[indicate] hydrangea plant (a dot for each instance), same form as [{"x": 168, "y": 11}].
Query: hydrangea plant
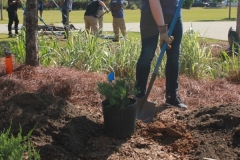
[{"x": 118, "y": 92}]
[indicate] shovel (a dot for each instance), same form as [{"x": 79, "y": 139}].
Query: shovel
[
  {"x": 145, "y": 109},
  {"x": 102, "y": 15}
]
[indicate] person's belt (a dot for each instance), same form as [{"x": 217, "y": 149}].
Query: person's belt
[{"x": 92, "y": 16}]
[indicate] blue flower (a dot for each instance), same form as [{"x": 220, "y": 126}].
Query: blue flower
[{"x": 111, "y": 77}]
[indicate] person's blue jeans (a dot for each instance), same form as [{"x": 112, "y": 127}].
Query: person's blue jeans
[
  {"x": 149, "y": 46},
  {"x": 64, "y": 19},
  {"x": 64, "y": 16}
]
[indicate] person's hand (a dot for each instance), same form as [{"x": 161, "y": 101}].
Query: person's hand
[
  {"x": 40, "y": 18},
  {"x": 163, "y": 30},
  {"x": 107, "y": 10},
  {"x": 167, "y": 39}
]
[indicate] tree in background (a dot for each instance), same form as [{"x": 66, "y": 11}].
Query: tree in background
[
  {"x": 1, "y": 9},
  {"x": 238, "y": 19}
]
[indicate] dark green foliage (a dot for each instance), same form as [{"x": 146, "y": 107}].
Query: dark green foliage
[
  {"x": 217, "y": 0},
  {"x": 75, "y": 6},
  {"x": 187, "y": 4},
  {"x": 13, "y": 148},
  {"x": 117, "y": 92},
  {"x": 132, "y": 5}
]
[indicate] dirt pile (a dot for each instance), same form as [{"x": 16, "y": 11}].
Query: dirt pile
[{"x": 216, "y": 131}]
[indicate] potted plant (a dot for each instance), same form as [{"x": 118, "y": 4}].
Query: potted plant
[{"x": 119, "y": 107}]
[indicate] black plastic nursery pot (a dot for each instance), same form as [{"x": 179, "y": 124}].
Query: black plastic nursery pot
[{"x": 119, "y": 122}]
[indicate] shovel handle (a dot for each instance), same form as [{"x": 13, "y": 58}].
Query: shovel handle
[
  {"x": 101, "y": 15},
  {"x": 150, "y": 85}
]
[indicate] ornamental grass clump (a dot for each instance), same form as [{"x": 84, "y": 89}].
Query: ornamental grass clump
[
  {"x": 118, "y": 92},
  {"x": 196, "y": 59}
]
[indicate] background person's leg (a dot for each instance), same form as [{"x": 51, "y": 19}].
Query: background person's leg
[
  {"x": 40, "y": 8},
  {"x": 115, "y": 29},
  {"x": 100, "y": 20},
  {"x": 122, "y": 26},
  {"x": 10, "y": 22},
  {"x": 64, "y": 20},
  {"x": 41, "y": 11},
  {"x": 16, "y": 22},
  {"x": 94, "y": 24},
  {"x": 87, "y": 23}
]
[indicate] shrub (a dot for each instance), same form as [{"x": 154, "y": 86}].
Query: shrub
[
  {"x": 118, "y": 92},
  {"x": 15, "y": 147},
  {"x": 187, "y": 4},
  {"x": 133, "y": 6},
  {"x": 75, "y": 6}
]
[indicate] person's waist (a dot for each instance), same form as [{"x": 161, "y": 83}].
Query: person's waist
[
  {"x": 12, "y": 9},
  {"x": 91, "y": 15}
]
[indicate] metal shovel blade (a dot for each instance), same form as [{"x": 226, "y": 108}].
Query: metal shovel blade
[{"x": 145, "y": 110}]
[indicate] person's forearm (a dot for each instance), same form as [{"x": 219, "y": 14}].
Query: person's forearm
[
  {"x": 157, "y": 12},
  {"x": 103, "y": 5}
]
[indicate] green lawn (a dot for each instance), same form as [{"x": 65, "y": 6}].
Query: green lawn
[
  {"x": 211, "y": 14},
  {"x": 191, "y": 15}
]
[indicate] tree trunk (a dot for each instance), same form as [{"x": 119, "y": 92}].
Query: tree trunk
[
  {"x": 238, "y": 19},
  {"x": 1, "y": 9},
  {"x": 229, "y": 11},
  {"x": 67, "y": 22},
  {"x": 32, "y": 33}
]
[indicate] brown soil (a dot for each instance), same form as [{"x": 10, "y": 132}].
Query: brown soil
[{"x": 66, "y": 107}]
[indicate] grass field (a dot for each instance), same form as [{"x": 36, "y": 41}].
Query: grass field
[{"x": 191, "y": 15}]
